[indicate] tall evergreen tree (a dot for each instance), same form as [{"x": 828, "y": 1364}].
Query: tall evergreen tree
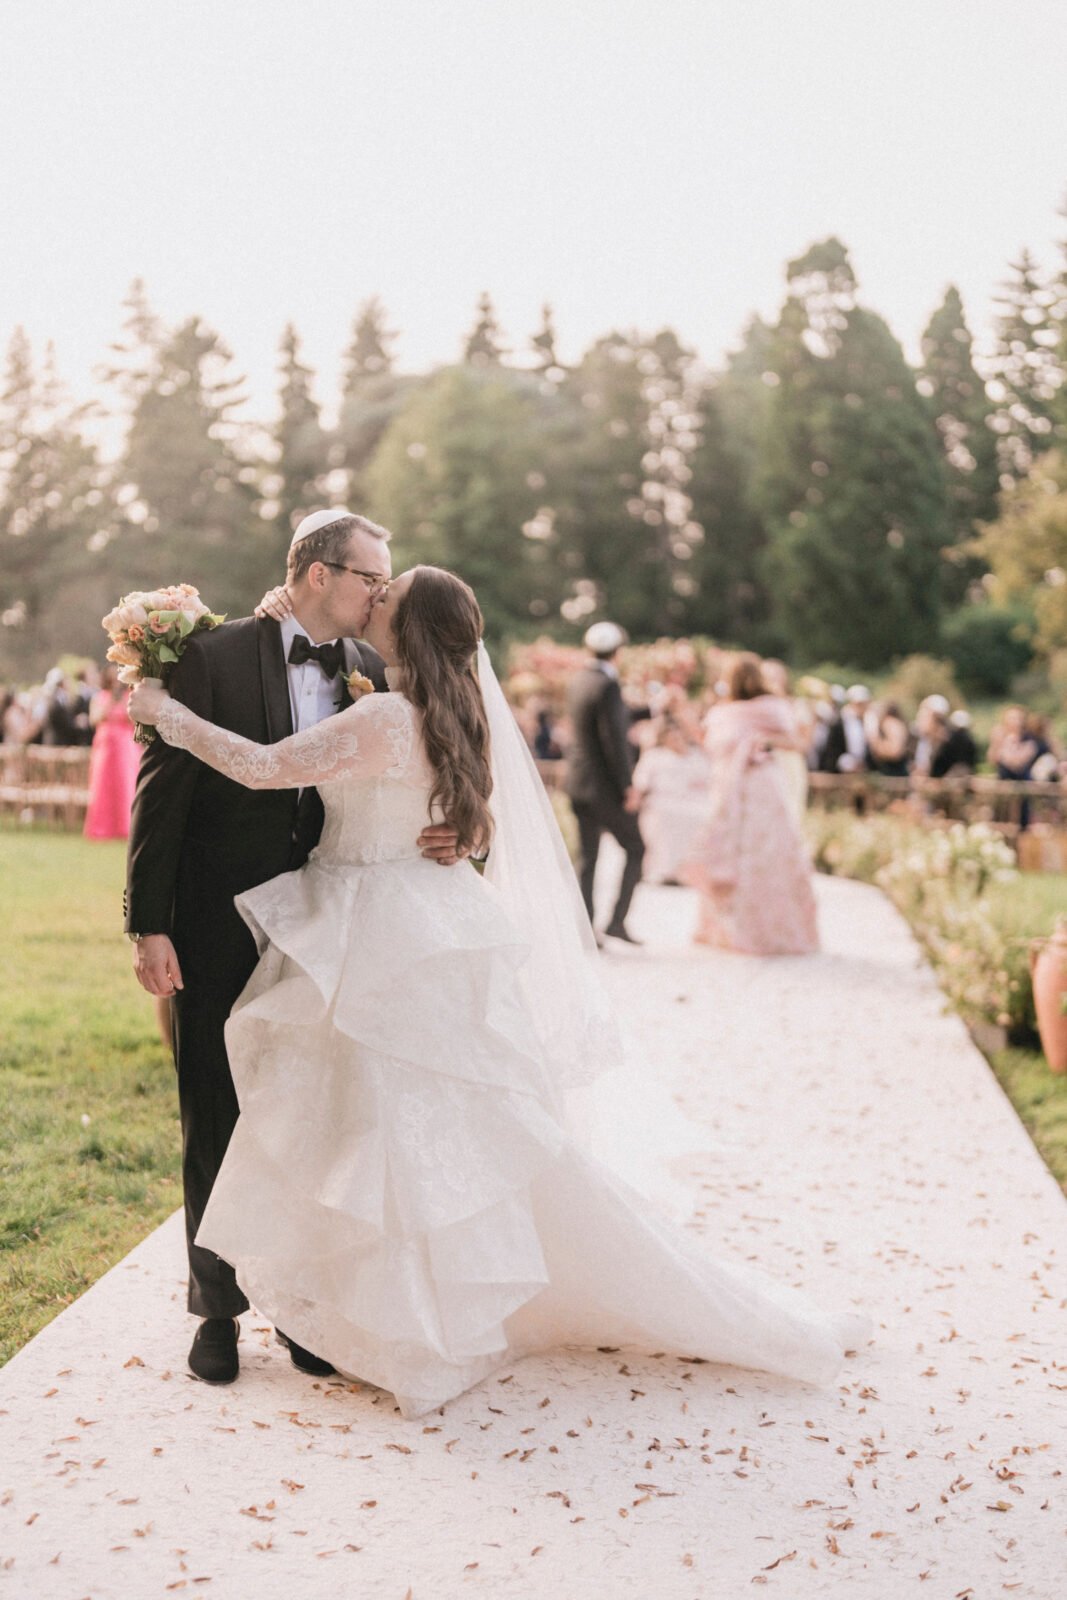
[
  {"x": 53, "y": 520},
  {"x": 132, "y": 358},
  {"x": 731, "y": 604},
  {"x": 483, "y": 346},
  {"x": 372, "y": 395},
  {"x": 369, "y": 353},
  {"x": 543, "y": 344},
  {"x": 963, "y": 415},
  {"x": 615, "y": 546},
  {"x": 854, "y": 488},
  {"x": 456, "y": 480},
  {"x": 189, "y": 492},
  {"x": 302, "y": 445},
  {"x": 1029, "y": 365}
]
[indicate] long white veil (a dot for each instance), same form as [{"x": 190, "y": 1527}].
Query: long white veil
[{"x": 529, "y": 867}]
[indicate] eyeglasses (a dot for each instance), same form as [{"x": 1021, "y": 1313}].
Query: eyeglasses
[{"x": 374, "y": 580}]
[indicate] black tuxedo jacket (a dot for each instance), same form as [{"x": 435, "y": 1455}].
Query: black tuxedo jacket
[
  {"x": 600, "y": 758},
  {"x": 197, "y": 838}
]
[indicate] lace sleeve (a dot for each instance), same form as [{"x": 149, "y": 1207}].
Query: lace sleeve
[{"x": 370, "y": 738}]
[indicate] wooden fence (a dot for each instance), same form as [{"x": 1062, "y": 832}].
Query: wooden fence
[
  {"x": 51, "y": 786},
  {"x": 44, "y": 784},
  {"x": 965, "y": 799}
]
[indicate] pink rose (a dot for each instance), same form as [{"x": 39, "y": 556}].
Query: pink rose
[
  {"x": 135, "y": 633},
  {"x": 157, "y": 625}
]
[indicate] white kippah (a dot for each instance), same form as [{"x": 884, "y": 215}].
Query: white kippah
[
  {"x": 603, "y": 638},
  {"x": 317, "y": 520}
]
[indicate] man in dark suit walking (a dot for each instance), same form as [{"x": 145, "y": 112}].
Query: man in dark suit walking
[
  {"x": 197, "y": 839},
  {"x": 599, "y": 768}
]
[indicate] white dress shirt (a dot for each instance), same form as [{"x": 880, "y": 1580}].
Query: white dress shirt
[{"x": 312, "y": 695}]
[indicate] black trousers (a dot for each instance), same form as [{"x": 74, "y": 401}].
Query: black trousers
[
  {"x": 595, "y": 819},
  {"x": 217, "y": 958}
]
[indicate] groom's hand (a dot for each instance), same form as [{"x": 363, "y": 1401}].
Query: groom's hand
[
  {"x": 155, "y": 965},
  {"x": 439, "y": 844}
]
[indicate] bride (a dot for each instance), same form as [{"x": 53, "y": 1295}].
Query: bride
[{"x": 406, "y": 1191}]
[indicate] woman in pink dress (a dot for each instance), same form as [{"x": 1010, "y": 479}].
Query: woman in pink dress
[
  {"x": 750, "y": 864},
  {"x": 113, "y": 763}
]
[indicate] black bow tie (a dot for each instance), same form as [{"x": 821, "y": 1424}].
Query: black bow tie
[{"x": 330, "y": 657}]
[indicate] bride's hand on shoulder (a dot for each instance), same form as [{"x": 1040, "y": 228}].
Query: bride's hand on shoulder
[
  {"x": 145, "y": 703},
  {"x": 276, "y": 603}
]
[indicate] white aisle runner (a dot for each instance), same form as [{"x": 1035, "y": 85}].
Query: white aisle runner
[{"x": 818, "y": 1115}]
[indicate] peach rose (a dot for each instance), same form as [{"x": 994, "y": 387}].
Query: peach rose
[
  {"x": 358, "y": 685},
  {"x": 125, "y": 655}
]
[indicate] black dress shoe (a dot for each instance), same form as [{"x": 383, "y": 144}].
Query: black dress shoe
[
  {"x": 617, "y": 930},
  {"x": 213, "y": 1355},
  {"x": 304, "y": 1359}
]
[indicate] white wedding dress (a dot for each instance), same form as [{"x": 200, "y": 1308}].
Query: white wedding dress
[{"x": 402, "y": 1194}]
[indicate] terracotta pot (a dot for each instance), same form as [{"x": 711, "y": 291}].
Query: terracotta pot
[{"x": 1048, "y": 968}]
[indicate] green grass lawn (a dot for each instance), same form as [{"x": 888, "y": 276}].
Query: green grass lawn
[
  {"x": 77, "y": 1039},
  {"x": 1030, "y": 904}
]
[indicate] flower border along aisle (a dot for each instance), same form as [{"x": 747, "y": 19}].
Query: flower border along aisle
[
  {"x": 149, "y": 629},
  {"x": 939, "y": 879}
]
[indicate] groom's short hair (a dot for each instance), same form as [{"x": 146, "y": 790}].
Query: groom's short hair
[{"x": 329, "y": 544}]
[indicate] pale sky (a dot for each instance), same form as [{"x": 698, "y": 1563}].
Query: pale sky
[{"x": 636, "y": 164}]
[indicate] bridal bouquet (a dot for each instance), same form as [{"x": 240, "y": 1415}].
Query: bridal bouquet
[{"x": 149, "y": 630}]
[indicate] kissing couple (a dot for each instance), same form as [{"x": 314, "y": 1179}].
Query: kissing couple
[{"x": 378, "y": 1046}]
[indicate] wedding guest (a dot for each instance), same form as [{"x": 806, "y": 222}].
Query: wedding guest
[
  {"x": 15, "y": 720},
  {"x": 888, "y": 741},
  {"x": 959, "y": 753},
  {"x": 113, "y": 763},
  {"x": 57, "y": 711},
  {"x": 1045, "y": 768},
  {"x": 1015, "y": 747},
  {"x": 672, "y": 779},
  {"x": 545, "y": 744},
  {"x": 15, "y": 728},
  {"x": 750, "y": 865},
  {"x": 599, "y": 772},
  {"x": 87, "y": 682},
  {"x": 942, "y": 749},
  {"x": 792, "y": 764},
  {"x": 829, "y": 744},
  {"x": 854, "y": 729}
]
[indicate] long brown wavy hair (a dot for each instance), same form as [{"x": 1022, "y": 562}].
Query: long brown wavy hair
[{"x": 437, "y": 624}]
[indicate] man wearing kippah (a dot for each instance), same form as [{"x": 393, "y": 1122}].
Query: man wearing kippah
[
  {"x": 197, "y": 839},
  {"x": 599, "y": 768}
]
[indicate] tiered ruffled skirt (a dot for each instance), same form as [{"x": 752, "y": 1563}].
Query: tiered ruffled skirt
[{"x": 399, "y": 1194}]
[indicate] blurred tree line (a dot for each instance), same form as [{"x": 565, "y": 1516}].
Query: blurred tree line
[{"x": 818, "y": 498}]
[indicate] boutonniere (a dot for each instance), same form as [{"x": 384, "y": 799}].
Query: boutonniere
[{"x": 358, "y": 685}]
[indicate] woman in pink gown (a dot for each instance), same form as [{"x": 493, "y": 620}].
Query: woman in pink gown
[
  {"x": 750, "y": 864},
  {"x": 113, "y": 763}
]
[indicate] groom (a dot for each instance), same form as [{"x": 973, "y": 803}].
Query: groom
[{"x": 197, "y": 839}]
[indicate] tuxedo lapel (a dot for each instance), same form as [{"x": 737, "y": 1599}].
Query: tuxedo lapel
[
  {"x": 360, "y": 657},
  {"x": 274, "y": 680},
  {"x": 344, "y": 699}
]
